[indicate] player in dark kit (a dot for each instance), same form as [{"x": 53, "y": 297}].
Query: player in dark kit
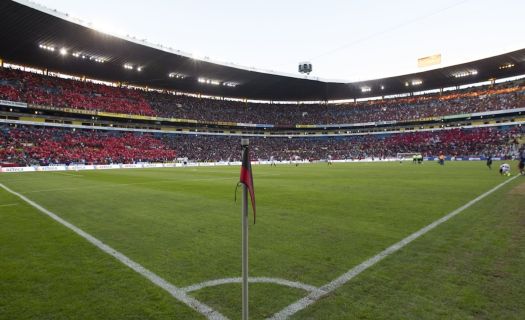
[
  {"x": 441, "y": 158},
  {"x": 521, "y": 165},
  {"x": 489, "y": 162},
  {"x": 419, "y": 158}
]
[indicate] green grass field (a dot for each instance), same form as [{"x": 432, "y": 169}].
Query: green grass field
[{"x": 314, "y": 223}]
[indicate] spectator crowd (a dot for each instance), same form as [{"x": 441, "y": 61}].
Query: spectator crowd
[
  {"x": 32, "y": 145},
  {"x": 33, "y": 88},
  {"x": 27, "y": 145}
]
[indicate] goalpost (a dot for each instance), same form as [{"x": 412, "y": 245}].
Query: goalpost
[{"x": 407, "y": 155}]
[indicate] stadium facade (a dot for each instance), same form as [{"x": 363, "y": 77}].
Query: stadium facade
[{"x": 26, "y": 28}]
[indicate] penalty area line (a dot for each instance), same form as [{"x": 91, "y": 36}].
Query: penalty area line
[
  {"x": 174, "y": 291},
  {"x": 350, "y": 274}
]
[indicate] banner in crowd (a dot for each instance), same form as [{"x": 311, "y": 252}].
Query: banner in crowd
[
  {"x": 127, "y": 116},
  {"x": 15, "y": 104},
  {"x": 80, "y": 167},
  {"x": 488, "y": 113},
  {"x": 458, "y": 116},
  {"x": 69, "y": 110}
]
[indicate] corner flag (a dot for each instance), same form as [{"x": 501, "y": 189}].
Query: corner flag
[
  {"x": 246, "y": 176},
  {"x": 246, "y": 180}
]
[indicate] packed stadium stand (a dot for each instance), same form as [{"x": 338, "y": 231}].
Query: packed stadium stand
[
  {"x": 387, "y": 110},
  {"x": 29, "y": 145},
  {"x": 70, "y": 94},
  {"x": 52, "y": 91},
  {"x": 25, "y": 145},
  {"x": 44, "y": 90}
]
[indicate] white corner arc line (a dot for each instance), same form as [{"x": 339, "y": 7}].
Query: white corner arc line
[
  {"x": 218, "y": 282},
  {"x": 174, "y": 291},
  {"x": 344, "y": 278}
]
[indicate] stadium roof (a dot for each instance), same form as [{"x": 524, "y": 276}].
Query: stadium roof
[{"x": 34, "y": 36}]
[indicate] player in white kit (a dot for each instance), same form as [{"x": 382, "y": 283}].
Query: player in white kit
[
  {"x": 504, "y": 169},
  {"x": 272, "y": 162}
]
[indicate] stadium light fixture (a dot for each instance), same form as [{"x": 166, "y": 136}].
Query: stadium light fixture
[
  {"x": 366, "y": 89},
  {"x": 382, "y": 87},
  {"x": 506, "y": 66},
  {"x": 417, "y": 82},
  {"x": 63, "y": 51},
  {"x": 176, "y": 75},
  {"x": 230, "y": 84},
  {"x": 45, "y": 47},
  {"x": 128, "y": 66},
  {"x": 139, "y": 69},
  {"x": 209, "y": 81},
  {"x": 467, "y": 73}
]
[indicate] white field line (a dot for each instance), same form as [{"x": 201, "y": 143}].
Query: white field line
[
  {"x": 8, "y": 204},
  {"x": 71, "y": 174},
  {"x": 37, "y": 176},
  {"x": 344, "y": 278},
  {"x": 176, "y": 292},
  {"x": 113, "y": 185},
  {"x": 68, "y": 174},
  {"x": 278, "y": 281}
]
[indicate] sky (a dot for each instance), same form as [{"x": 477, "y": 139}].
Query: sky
[{"x": 348, "y": 40}]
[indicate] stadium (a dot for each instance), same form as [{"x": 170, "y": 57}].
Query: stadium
[{"x": 399, "y": 197}]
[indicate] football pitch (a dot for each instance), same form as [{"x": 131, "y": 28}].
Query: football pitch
[{"x": 172, "y": 241}]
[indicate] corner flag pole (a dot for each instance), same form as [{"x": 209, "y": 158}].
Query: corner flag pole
[{"x": 244, "y": 144}]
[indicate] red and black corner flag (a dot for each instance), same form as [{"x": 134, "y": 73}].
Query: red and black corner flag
[{"x": 246, "y": 176}]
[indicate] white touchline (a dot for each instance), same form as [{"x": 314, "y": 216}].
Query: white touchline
[
  {"x": 176, "y": 292},
  {"x": 344, "y": 278}
]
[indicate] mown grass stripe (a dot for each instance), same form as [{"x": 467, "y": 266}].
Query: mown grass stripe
[{"x": 8, "y": 204}]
